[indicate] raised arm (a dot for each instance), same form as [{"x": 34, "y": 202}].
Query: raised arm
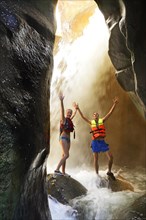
[
  {"x": 81, "y": 114},
  {"x": 61, "y": 97},
  {"x": 115, "y": 101},
  {"x": 75, "y": 111}
]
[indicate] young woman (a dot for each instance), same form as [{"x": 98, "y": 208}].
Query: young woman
[{"x": 66, "y": 127}]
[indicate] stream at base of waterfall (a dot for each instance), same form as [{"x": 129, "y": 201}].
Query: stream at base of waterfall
[{"x": 100, "y": 202}]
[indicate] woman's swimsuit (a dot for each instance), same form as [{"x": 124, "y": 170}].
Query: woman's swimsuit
[{"x": 64, "y": 138}]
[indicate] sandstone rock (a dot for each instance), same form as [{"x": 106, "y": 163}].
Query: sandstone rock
[{"x": 120, "y": 184}]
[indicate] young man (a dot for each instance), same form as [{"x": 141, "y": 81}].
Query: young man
[{"x": 98, "y": 143}]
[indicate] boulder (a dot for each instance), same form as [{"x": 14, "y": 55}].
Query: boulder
[
  {"x": 64, "y": 188},
  {"x": 136, "y": 211},
  {"x": 120, "y": 184}
]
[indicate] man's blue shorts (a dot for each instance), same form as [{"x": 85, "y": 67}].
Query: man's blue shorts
[{"x": 99, "y": 146}]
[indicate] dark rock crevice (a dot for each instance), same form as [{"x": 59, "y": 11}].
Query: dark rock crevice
[
  {"x": 26, "y": 62},
  {"x": 127, "y": 46}
]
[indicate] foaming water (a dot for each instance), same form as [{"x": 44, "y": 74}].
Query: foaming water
[
  {"x": 60, "y": 211},
  {"x": 100, "y": 203}
]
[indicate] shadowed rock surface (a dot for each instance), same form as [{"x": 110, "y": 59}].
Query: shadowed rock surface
[
  {"x": 33, "y": 202},
  {"x": 64, "y": 188},
  {"x": 26, "y": 61},
  {"x": 136, "y": 211},
  {"x": 127, "y": 45}
]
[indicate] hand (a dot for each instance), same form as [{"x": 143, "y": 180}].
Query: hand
[
  {"x": 115, "y": 100},
  {"x": 75, "y": 105},
  {"x": 61, "y": 97}
]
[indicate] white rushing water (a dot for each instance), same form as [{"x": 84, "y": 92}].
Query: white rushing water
[
  {"x": 100, "y": 203},
  {"x": 78, "y": 65}
]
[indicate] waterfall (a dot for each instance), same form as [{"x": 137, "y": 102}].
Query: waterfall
[{"x": 84, "y": 73}]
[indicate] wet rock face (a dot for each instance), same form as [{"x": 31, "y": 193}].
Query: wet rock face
[
  {"x": 64, "y": 188},
  {"x": 120, "y": 184},
  {"x": 136, "y": 211},
  {"x": 26, "y": 61},
  {"x": 127, "y": 46},
  {"x": 116, "y": 185}
]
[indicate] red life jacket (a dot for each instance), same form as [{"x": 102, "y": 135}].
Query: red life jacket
[
  {"x": 67, "y": 126},
  {"x": 97, "y": 129}
]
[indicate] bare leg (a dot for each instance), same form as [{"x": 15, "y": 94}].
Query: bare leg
[
  {"x": 63, "y": 165},
  {"x": 65, "y": 148},
  {"x": 95, "y": 155},
  {"x": 110, "y": 160}
]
